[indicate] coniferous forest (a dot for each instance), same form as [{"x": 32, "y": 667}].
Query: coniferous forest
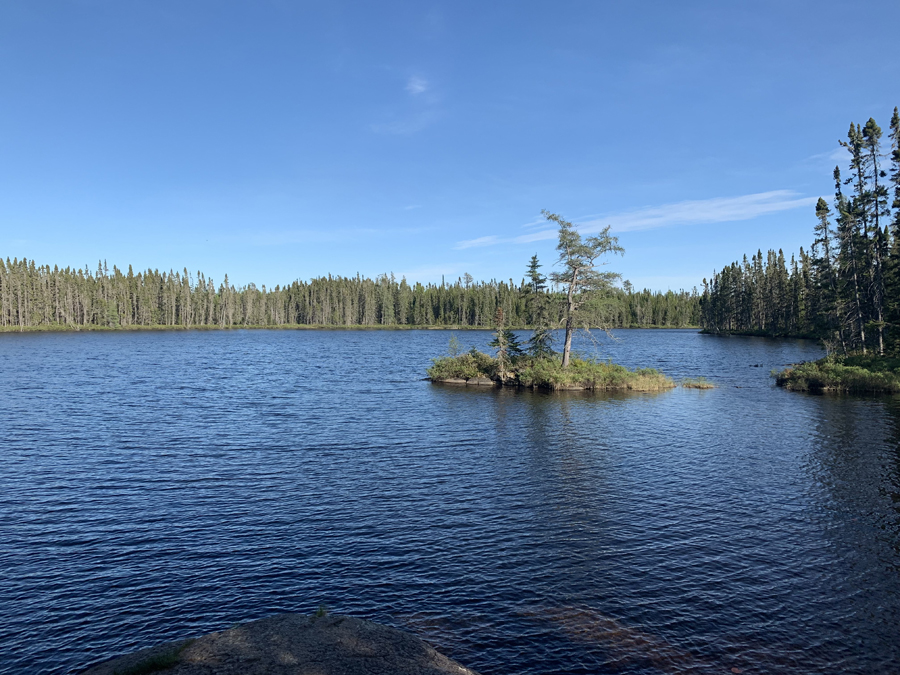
[
  {"x": 34, "y": 296},
  {"x": 845, "y": 289}
]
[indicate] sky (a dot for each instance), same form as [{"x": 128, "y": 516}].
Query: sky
[{"x": 276, "y": 140}]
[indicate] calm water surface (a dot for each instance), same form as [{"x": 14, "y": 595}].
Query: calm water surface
[{"x": 158, "y": 485}]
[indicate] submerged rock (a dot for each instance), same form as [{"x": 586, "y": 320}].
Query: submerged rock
[{"x": 292, "y": 644}]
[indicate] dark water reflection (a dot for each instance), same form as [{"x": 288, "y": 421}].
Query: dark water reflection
[{"x": 154, "y": 485}]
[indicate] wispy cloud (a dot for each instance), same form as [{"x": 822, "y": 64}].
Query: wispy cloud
[
  {"x": 416, "y": 85},
  {"x": 411, "y": 114},
  {"x": 703, "y": 211},
  {"x": 481, "y": 241},
  {"x": 690, "y": 212},
  {"x": 838, "y": 154}
]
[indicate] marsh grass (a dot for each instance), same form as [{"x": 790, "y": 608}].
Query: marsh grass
[
  {"x": 697, "y": 383},
  {"x": 548, "y": 373},
  {"x": 856, "y": 374},
  {"x": 590, "y": 374},
  {"x": 463, "y": 366}
]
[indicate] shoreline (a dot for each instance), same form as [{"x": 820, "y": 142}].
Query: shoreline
[
  {"x": 853, "y": 374},
  {"x": 389, "y": 327},
  {"x": 756, "y": 333}
]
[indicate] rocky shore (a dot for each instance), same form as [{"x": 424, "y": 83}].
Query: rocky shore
[{"x": 291, "y": 644}]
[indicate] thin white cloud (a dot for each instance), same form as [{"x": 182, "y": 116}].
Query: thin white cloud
[
  {"x": 416, "y": 85},
  {"x": 838, "y": 154},
  {"x": 543, "y": 235},
  {"x": 690, "y": 212},
  {"x": 415, "y": 112},
  {"x": 702, "y": 211},
  {"x": 480, "y": 241}
]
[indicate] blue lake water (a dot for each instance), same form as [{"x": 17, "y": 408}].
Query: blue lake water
[{"x": 160, "y": 485}]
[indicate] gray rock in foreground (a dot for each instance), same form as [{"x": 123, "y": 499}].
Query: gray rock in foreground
[{"x": 295, "y": 644}]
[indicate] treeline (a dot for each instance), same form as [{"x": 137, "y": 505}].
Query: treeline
[
  {"x": 846, "y": 288},
  {"x": 34, "y": 295}
]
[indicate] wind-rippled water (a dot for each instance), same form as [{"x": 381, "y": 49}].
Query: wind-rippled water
[{"x": 159, "y": 485}]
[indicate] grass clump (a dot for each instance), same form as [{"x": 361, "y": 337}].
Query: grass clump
[
  {"x": 548, "y": 373},
  {"x": 697, "y": 383},
  {"x": 463, "y": 366},
  {"x": 514, "y": 367},
  {"x": 854, "y": 374}
]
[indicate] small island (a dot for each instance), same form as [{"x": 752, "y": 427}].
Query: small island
[
  {"x": 536, "y": 365},
  {"x": 475, "y": 368},
  {"x": 852, "y": 374}
]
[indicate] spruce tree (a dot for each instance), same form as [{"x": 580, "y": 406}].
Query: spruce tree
[
  {"x": 540, "y": 344},
  {"x": 507, "y": 344}
]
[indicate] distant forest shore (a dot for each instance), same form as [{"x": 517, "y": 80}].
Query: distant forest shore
[
  {"x": 286, "y": 326},
  {"x": 38, "y": 297},
  {"x": 761, "y": 333},
  {"x": 845, "y": 288}
]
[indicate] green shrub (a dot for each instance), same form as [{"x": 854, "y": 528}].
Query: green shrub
[
  {"x": 852, "y": 374},
  {"x": 463, "y": 366},
  {"x": 548, "y": 373}
]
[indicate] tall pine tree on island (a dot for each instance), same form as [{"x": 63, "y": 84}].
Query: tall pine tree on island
[
  {"x": 579, "y": 276},
  {"x": 507, "y": 344},
  {"x": 540, "y": 344}
]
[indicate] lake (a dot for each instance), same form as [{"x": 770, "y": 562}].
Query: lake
[{"x": 156, "y": 485}]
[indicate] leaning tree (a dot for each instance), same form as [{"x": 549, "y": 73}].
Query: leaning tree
[{"x": 580, "y": 277}]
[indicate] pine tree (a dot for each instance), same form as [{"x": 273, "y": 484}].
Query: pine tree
[
  {"x": 892, "y": 268},
  {"x": 507, "y": 344},
  {"x": 579, "y": 276},
  {"x": 540, "y": 344},
  {"x": 535, "y": 294}
]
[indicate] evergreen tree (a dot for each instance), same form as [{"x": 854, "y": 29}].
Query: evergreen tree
[
  {"x": 540, "y": 344},
  {"x": 535, "y": 294},
  {"x": 507, "y": 344},
  {"x": 892, "y": 267},
  {"x": 34, "y": 295},
  {"x": 847, "y": 289},
  {"x": 579, "y": 276}
]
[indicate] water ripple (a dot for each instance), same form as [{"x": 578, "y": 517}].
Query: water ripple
[{"x": 156, "y": 485}]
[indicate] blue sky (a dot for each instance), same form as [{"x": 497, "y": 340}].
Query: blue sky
[{"x": 277, "y": 140}]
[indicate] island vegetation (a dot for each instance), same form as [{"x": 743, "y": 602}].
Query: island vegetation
[
  {"x": 853, "y": 374},
  {"x": 697, "y": 383},
  {"x": 844, "y": 290},
  {"x": 584, "y": 290}
]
